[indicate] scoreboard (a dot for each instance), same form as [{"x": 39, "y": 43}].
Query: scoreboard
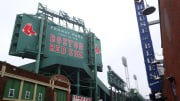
[{"x": 57, "y": 41}]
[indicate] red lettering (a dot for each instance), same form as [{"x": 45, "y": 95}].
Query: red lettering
[
  {"x": 63, "y": 50},
  {"x": 75, "y": 44},
  {"x": 82, "y": 98},
  {"x": 64, "y": 41},
  {"x": 52, "y": 47},
  {"x": 80, "y": 46},
  {"x": 80, "y": 54},
  {"x": 52, "y": 38},
  {"x": 75, "y": 52},
  {"x": 69, "y": 43},
  {"x": 59, "y": 40},
  {"x": 57, "y": 48},
  {"x": 70, "y": 52}
]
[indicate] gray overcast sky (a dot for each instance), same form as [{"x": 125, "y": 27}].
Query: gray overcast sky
[{"x": 113, "y": 21}]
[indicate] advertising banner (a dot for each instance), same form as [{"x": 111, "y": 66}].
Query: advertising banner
[
  {"x": 147, "y": 47},
  {"x": 80, "y": 98}
]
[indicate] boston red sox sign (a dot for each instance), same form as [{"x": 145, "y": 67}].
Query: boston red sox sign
[{"x": 57, "y": 42}]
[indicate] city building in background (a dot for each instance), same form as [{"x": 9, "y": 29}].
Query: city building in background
[{"x": 170, "y": 32}]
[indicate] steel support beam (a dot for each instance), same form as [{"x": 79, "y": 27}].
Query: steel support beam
[
  {"x": 115, "y": 95},
  {"x": 59, "y": 70},
  {"x": 90, "y": 90},
  {"x": 93, "y": 51},
  {"x": 95, "y": 81},
  {"x": 111, "y": 94},
  {"x": 99, "y": 93},
  {"x": 39, "y": 46},
  {"x": 154, "y": 22},
  {"x": 78, "y": 82},
  {"x": 104, "y": 97},
  {"x": 119, "y": 96}
]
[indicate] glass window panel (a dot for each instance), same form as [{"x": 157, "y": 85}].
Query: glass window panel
[{"x": 11, "y": 92}]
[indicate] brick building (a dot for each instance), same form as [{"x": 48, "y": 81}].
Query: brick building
[{"x": 170, "y": 31}]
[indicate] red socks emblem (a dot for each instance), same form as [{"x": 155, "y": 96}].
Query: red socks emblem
[
  {"x": 97, "y": 50},
  {"x": 28, "y": 29}
]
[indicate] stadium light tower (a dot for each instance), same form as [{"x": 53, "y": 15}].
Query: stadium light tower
[
  {"x": 124, "y": 61},
  {"x": 136, "y": 82}
]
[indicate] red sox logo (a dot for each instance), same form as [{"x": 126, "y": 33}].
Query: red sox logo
[
  {"x": 97, "y": 50},
  {"x": 28, "y": 29}
]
